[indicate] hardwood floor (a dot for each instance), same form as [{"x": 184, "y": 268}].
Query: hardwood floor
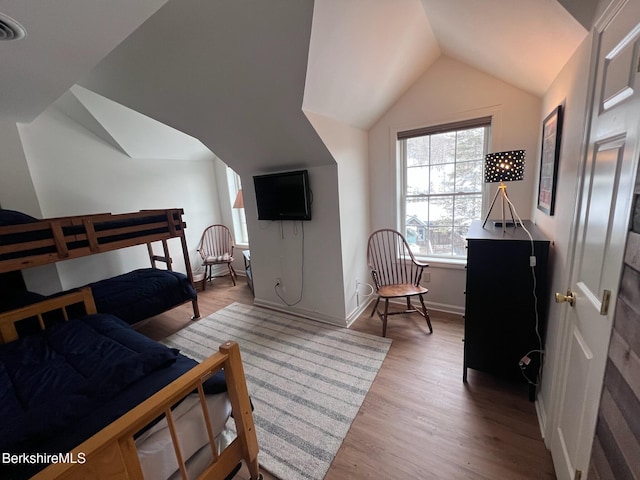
[{"x": 419, "y": 420}]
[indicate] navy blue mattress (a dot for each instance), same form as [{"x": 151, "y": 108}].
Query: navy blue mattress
[
  {"x": 60, "y": 386},
  {"x": 132, "y": 296},
  {"x": 142, "y": 293}
]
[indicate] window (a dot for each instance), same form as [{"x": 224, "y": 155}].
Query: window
[
  {"x": 443, "y": 186},
  {"x": 237, "y": 208}
]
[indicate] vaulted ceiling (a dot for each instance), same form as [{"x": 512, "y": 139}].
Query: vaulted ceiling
[
  {"x": 250, "y": 66},
  {"x": 365, "y": 53}
]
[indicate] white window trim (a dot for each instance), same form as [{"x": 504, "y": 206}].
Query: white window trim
[{"x": 493, "y": 144}]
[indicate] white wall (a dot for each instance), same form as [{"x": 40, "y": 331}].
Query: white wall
[
  {"x": 18, "y": 193},
  {"x": 349, "y": 146},
  {"x": 16, "y": 187},
  {"x": 134, "y": 133},
  {"x": 447, "y": 92},
  {"x": 75, "y": 172},
  {"x": 315, "y": 271},
  {"x": 570, "y": 89}
]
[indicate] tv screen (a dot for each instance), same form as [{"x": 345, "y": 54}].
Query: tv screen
[{"x": 283, "y": 196}]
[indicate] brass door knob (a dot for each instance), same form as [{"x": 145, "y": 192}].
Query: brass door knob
[{"x": 570, "y": 298}]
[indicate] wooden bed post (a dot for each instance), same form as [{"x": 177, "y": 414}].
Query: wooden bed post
[
  {"x": 58, "y": 238},
  {"x": 187, "y": 261},
  {"x": 239, "y": 397},
  {"x": 187, "y": 264}
]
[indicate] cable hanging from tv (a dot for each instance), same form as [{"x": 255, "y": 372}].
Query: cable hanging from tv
[{"x": 277, "y": 286}]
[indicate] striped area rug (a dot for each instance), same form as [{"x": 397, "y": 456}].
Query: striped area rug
[{"x": 307, "y": 381}]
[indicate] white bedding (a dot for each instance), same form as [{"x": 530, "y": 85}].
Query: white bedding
[{"x": 155, "y": 448}]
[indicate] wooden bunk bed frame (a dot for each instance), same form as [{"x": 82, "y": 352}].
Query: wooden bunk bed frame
[
  {"x": 111, "y": 453},
  {"x": 53, "y": 240}
]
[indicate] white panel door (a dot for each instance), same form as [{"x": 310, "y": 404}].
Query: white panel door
[{"x": 601, "y": 228}]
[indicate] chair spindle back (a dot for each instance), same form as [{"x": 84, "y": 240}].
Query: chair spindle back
[
  {"x": 391, "y": 260},
  {"x": 216, "y": 241}
]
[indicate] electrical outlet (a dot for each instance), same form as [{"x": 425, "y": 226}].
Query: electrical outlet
[
  {"x": 278, "y": 281},
  {"x": 426, "y": 277}
]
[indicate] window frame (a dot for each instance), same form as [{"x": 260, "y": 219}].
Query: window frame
[{"x": 486, "y": 122}]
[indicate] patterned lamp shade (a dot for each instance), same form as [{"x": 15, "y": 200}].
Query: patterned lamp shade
[{"x": 504, "y": 166}]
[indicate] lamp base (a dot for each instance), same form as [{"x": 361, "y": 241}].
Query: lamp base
[{"x": 502, "y": 191}]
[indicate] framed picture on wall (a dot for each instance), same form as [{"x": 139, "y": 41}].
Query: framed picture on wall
[{"x": 551, "y": 136}]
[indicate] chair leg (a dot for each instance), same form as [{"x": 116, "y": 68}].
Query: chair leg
[
  {"x": 232, "y": 273},
  {"x": 426, "y": 313},
  {"x": 375, "y": 307},
  {"x": 384, "y": 318}
]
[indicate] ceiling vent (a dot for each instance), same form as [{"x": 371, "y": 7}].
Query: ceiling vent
[{"x": 10, "y": 29}]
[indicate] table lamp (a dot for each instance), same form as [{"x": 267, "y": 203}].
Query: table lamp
[
  {"x": 503, "y": 167},
  {"x": 239, "y": 202}
]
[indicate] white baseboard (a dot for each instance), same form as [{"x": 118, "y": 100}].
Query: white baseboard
[
  {"x": 352, "y": 317},
  {"x": 301, "y": 312},
  {"x": 358, "y": 311},
  {"x": 443, "y": 307}
]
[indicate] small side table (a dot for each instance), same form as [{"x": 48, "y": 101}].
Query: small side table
[{"x": 246, "y": 256}]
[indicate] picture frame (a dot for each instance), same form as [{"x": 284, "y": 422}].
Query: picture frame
[{"x": 549, "y": 158}]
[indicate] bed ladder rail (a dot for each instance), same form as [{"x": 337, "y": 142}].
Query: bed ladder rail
[
  {"x": 169, "y": 263},
  {"x": 157, "y": 258}
]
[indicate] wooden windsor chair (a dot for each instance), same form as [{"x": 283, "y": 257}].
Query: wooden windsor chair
[
  {"x": 216, "y": 248},
  {"x": 396, "y": 274}
]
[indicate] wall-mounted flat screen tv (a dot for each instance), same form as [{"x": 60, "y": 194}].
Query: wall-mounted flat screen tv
[{"x": 283, "y": 196}]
